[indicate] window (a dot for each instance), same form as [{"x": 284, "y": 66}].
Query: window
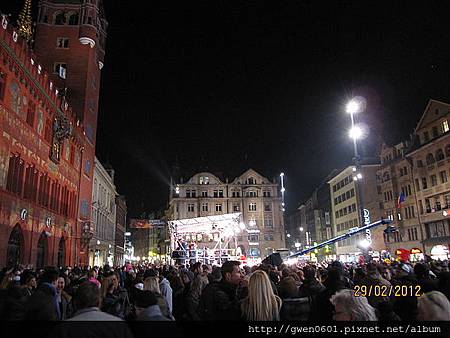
[
  {"x": 347, "y": 195},
  {"x": 204, "y": 206},
  {"x": 424, "y": 183},
  {"x": 60, "y": 68},
  {"x": 443, "y": 175},
  {"x": 267, "y": 207},
  {"x": 251, "y": 194},
  {"x": 252, "y": 207},
  {"x": 426, "y": 137},
  {"x": 268, "y": 237},
  {"x": 204, "y": 180},
  {"x": 62, "y": 43},
  {"x": 435, "y": 131},
  {"x": 433, "y": 180},
  {"x": 253, "y": 238},
  {"x": 218, "y": 207},
  {"x": 220, "y": 193},
  {"x": 421, "y": 207},
  {"x": 236, "y": 207},
  {"x": 415, "y": 234},
  {"x": 427, "y": 205},
  {"x": 30, "y": 113},
  {"x": 73, "y": 19},
  {"x": 439, "y": 155},
  {"x": 352, "y": 193},
  {"x": 251, "y": 180},
  {"x": 266, "y": 193},
  {"x": 420, "y": 163},
  {"x": 204, "y": 194},
  {"x": 216, "y": 193},
  {"x": 435, "y": 229},
  {"x": 190, "y": 208},
  {"x": 268, "y": 223},
  {"x": 444, "y": 126},
  {"x": 430, "y": 159},
  {"x": 188, "y": 193},
  {"x": 59, "y": 18},
  {"x": 417, "y": 184},
  {"x": 447, "y": 201},
  {"x": 438, "y": 205}
]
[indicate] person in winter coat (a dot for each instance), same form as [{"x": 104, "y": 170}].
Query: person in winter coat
[
  {"x": 64, "y": 300},
  {"x": 115, "y": 298},
  {"x": 219, "y": 300},
  {"x": 193, "y": 297},
  {"x": 311, "y": 286}
]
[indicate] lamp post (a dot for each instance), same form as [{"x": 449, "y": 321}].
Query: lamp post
[{"x": 353, "y": 107}]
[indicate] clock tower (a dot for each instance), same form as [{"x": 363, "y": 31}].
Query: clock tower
[{"x": 70, "y": 41}]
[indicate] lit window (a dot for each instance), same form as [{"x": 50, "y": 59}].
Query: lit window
[
  {"x": 62, "y": 43},
  {"x": 252, "y": 207},
  {"x": 445, "y": 127}
]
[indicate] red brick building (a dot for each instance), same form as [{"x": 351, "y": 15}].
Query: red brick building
[{"x": 48, "y": 118}]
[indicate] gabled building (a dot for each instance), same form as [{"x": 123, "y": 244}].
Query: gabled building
[{"x": 251, "y": 194}]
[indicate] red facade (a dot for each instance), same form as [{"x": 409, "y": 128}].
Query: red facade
[{"x": 47, "y": 141}]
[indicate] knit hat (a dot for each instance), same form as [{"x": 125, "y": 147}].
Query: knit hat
[{"x": 150, "y": 273}]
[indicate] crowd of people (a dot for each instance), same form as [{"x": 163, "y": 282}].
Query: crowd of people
[{"x": 199, "y": 292}]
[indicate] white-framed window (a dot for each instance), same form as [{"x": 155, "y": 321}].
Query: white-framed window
[
  {"x": 204, "y": 206},
  {"x": 204, "y": 180},
  {"x": 60, "y": 68},
  {"x": 268, "y": 223},
  {"x": 252, "y": 207},
  {"x": 218, "y": 207},
  {"x": 445, "y": 127},
  {"x": 251, "y": 194},
  {"x": 190, "y": 207},
  {"x": 62, "y": 42}
]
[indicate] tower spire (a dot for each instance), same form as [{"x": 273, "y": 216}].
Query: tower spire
[{"x": 25, "y": 21}]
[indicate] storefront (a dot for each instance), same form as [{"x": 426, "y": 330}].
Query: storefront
[{"x": 416, "y": 255}]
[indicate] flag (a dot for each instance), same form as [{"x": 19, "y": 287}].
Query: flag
[{"x": 400, "y": 200}]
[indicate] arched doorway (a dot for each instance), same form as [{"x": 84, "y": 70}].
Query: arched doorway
[
  {"x": 61, "y": 252},
  {"x": 41, "y": 251},
  {"x": 15, "y": 247}
]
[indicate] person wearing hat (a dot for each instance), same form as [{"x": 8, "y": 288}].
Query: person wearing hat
[
  {"x": 424, "y": 279},
  {"x": 405, "y": 306}
]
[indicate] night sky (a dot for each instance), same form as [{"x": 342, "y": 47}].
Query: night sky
[{"x": 227, "y": 85}]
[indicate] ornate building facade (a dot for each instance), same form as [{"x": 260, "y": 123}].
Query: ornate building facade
[
  {"x": 102, "y": 245},
  {"x": 254, "y": 196},
  {"x": 48, "y": 98}
]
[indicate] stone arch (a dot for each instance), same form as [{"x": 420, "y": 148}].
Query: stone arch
[
  {"x": 15, "y": 247},
  {"x": 59, "y": 18},
  {"x": 42, "y": 251},
  {"x": 61, "y": 252},
  {"x": 73, "y": 18}
]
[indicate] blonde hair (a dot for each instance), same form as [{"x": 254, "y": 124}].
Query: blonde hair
[
  {"x": 152, "y": 284},
  {"x": 261, "y": 304},
  {"x": 433, "y": 305},
  {"x": 106, "y": 283}
]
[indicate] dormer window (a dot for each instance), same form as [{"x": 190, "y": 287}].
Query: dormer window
[
  {"x": 204, "y": 180},
  {"x": 251, "y": 180}
]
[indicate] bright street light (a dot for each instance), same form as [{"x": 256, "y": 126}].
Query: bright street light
[
  {"x": 301, "y": 228},
  {"x": 359, "y": 176},
  {"x": 355, "y": 133},
  {"x": 364, "y": 244},
  {"x": 288, "y": 235},
  {"x": 297, "y": 245},
  {"x": 352, "y": 107}
]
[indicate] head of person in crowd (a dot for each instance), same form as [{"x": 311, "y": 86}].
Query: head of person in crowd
[
  {"x": 147, "y": 308},
  {"x": 350, "y": 308},
  {"x": 403, "y": 270},
  {"x": 432, "y": 306},
  {"x": 207, "y": 269},
  {"x": 274, "y": 276},
  {"x": 309, "y": 273},
  {"x": 301, "y": 275},
  {"x": 287, "y": 288},
  {"x": 60, "y": 284},
  {"x": 422, "y": 270},
  {"x": 285, "y": 272},
  {"x": 231, "y": 272},
  {"x": 87, "y": 295},
  {"x": 261, "y": 303},
  {"x": 152, "y": 284},
  {"x": 28, "y": 280},
  {"x": 109, "y": 285},
  {"x": 197, "y": 268},
  {"x": 50, "y": 276},
  {"x": 216, "y": 274},
  {"x": 247, "y": 270},
  {"x": 187, "y": 277}
]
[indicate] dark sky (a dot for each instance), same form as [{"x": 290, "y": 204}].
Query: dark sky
[{"x": 229, "y": 85}]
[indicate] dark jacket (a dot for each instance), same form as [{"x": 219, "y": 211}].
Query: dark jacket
[
  {"x": 310, "y": 287},
  {"x": 117, "y": 303},
  {"x": 219, "y": 302},
  {"x": 405, "y": 307},
  {"x": 295, "y": 309},
  {"x": 65, "y": 306}
]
